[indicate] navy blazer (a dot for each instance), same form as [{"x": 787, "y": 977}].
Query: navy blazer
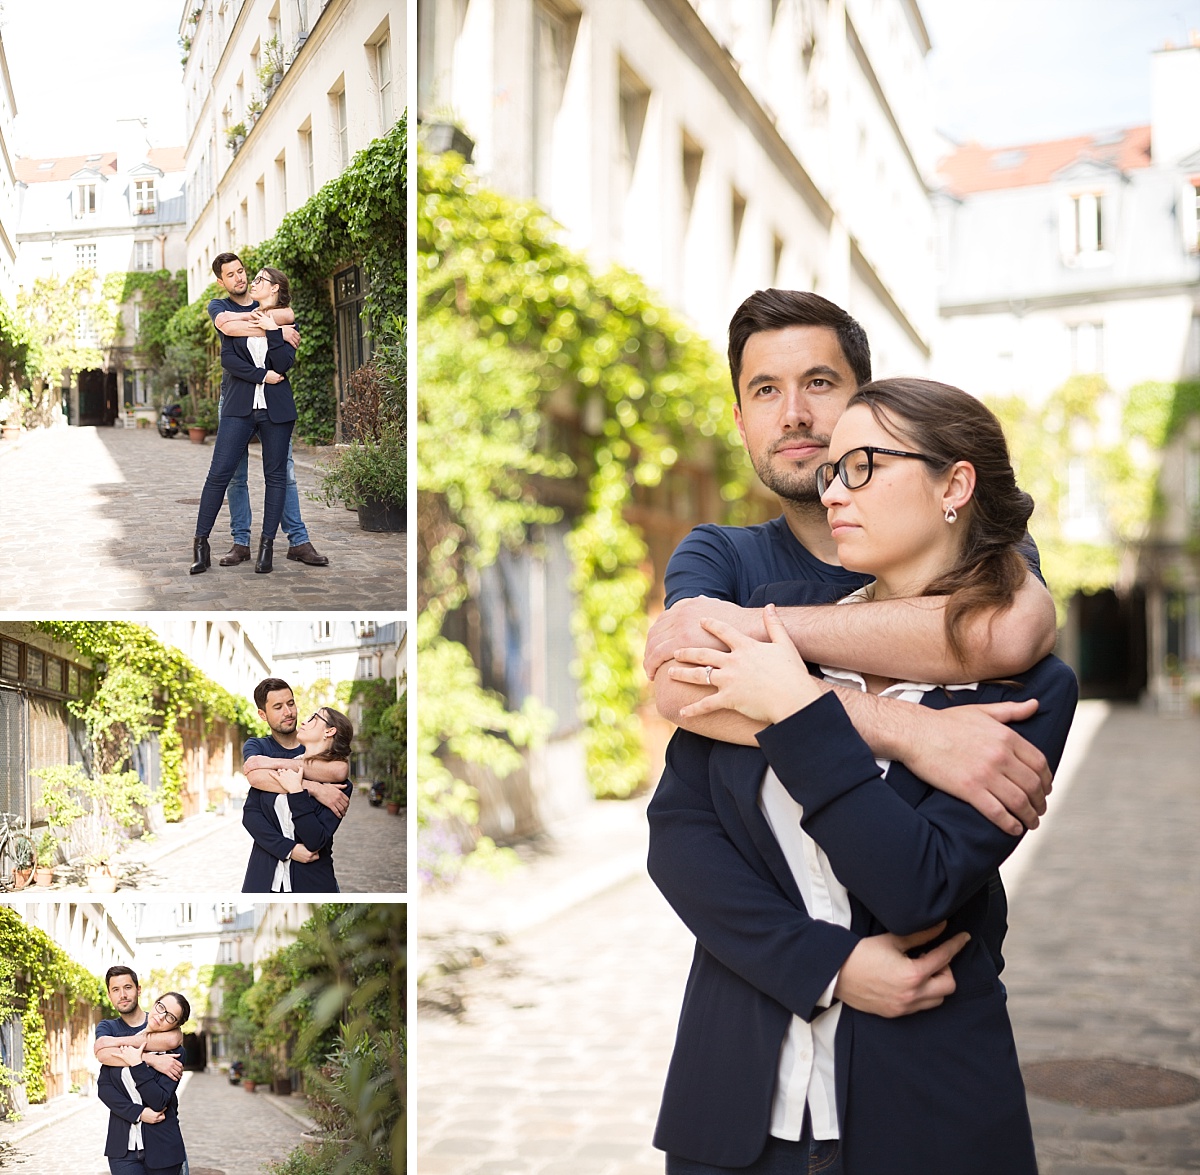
[
  {"x": 315, "y": 826},
  {"x": 911, "y": 1096},
  {"x": 163, "y": 1140},
  {"x": 245, "y": 376}
]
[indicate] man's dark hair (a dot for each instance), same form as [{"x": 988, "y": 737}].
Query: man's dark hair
[
  {"x": 779, "y": 309},
  {"x": 223, "y": 259},
  {"x": 185, "y": 1009},
  {"x": 268, "y": 685},
  {"x": 119, "y": 969}
]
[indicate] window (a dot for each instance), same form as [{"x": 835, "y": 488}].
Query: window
[
  {"x": 85, "y": 200},
  {"x": 226, "y": 911},
  {"x": 341, "y": 128},
  {"x": 553, "y": 44},
  {"x": 306, "y": 156},
  {"x": 382, "y": 52},
  {"x": 1087, "y": 348},
  {"x": 1189, "y": 214},
  {"x": 1083, "y": 228},
  {"x": 226, "y": 952},
  {"x": 693, "y": 159},
  {"x": 322, "y": 630},
  {"x": 144, "y": 198},
  {"x": 738, "y": 216},
  {"x": 281, "y": 183},
  {"x": 85, "y": 328},
  {"x": 366, "y": 668},
  {"x": 634, "y": 102},
  {"x": 1191, "y": 481},
  {"x": 366, "y": 628},
  {"x": 353, "y": 344},
  {"x": 85, "y": 256},
  {"x": 143, "y": 256},
  {"x": 324, "y": 672},
  {"x": 185, "y": 914}
]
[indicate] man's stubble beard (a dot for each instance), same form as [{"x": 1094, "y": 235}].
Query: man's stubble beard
[{"x": 796, "y": 486}]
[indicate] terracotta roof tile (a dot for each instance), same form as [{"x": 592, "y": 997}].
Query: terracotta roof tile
[
  {"x": 972, "y": 168},
  {"x": 40, "y": 171}
]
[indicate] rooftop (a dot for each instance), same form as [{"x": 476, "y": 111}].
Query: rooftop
[
  {"x": 972, "y": 168},
  {"x": 41, "y": 171}
]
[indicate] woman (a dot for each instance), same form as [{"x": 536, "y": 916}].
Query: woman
[
  {"x": 921, "y": 495},
  {"x": 146, "y": 1100},
  {"x": 258, "y": 399},
  {"x": 293, "y": 833}
]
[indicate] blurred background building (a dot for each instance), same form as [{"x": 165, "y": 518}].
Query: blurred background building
[
  {"x": 715, "y": 147},
  {"x": 8, "y": 186}
]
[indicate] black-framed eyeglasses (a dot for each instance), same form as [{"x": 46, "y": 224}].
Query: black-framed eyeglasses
[
  {"x": 318, "y": 714},
  {"x": 855, "y": 467},
  {"x": 169, "y": 1017},
  {"x": 262, "y": 277}
]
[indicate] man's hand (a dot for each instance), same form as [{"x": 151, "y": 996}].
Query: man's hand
[
  {"x": 151, "y": 1117},
  {"x": 970, "y": 752},
  {"x": 880, "y": 978},
  {"x": 329, "y": 794},
  {"x": 679, "y": 627},
  {"x": 304, "y": 855},
  {"x": 131, "y": 1054},
  {"x": 291, "y": 780},
  {"x": 168, "y": 1065},
  {"x": 291, "y": 335}
]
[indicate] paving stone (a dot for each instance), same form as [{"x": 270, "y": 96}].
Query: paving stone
[{"x": 103, "y": 518}]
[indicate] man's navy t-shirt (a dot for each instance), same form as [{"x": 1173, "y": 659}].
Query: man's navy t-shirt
[
  {"x": 219, "y": 306},
  {"x": 733, "y": 562},
  {"x": 118, "y": 1027},
  {"x": 269, "y": 747}
]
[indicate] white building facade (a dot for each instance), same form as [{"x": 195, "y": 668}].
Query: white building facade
[
  {"x": 279, "y": 98},
  {"x": 224, "y": 649},
  {"x": 1081, "y": 257},
  {"x": 8, "y": 186}
]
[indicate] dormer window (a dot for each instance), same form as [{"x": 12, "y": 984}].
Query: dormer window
[
  {"x": 1189, "y": 219},
  {"x": 85, "y": 200},
  {"x": 1086, "y": 226},
  {"x": 144, "y": 197}
]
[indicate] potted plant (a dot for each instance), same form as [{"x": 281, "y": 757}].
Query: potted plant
[
  {"x": 258, "y": 1072},
  {"x": 10, "y": 417},
  {"x": 47, "y": 857},
  {"x": 235, "y": 136},
  {"x": 254, "y": 108},
  {"x": 200, "y": 418},
  {"x": 395, "y": 794},
  {"x": 372, "y": 476},
  {"x": 442, "y": 130},
  {"x": 22, "y": 855}
]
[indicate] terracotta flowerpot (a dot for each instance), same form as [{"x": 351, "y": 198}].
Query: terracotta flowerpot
[
  {"x": 43, "y": 875},
  {"x": 393, "y": 807},
  {"x": 248, "y": 1085},
  {"x": 197, "y": 435},
  {"x": 21, "y": 877}
]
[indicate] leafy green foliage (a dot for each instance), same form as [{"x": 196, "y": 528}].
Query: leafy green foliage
[
  {"x": 516, "y": 330},
  {"x": 145, "y": 685},
  {"x": 34, "y": 969},
  {"x": 382, "y": 733}
]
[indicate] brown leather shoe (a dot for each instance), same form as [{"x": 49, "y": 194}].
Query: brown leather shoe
[
  {"x": 235, "y": 555},
  {"x": 307, "y": 553}
]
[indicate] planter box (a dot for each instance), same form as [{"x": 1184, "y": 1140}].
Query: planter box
[
  {"x": 381, "y": 516},
  {"x": 441, "y": 137}
]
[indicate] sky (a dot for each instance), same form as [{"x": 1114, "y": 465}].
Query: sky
[
  {"x": 79, "y": 65},
  {"x": 1006, "y": 72},
  {"x": 1003, "y": 71}
]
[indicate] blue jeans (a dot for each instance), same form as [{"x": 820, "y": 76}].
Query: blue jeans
[
  {"x": 237, "y": 497},
  {"x": 233, "y": 436},
  {"x": 809, "y": 1156}
]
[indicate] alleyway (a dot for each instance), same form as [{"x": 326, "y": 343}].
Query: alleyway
[
  {"x": 210, "y": 852},
  {"x": 546, "y": 1052},
  {"x": 104, "y": 518},
  {"x": 226, "y": 1130}
]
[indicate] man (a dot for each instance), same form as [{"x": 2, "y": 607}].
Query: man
[
  {"x": 135, "y": 1061},
  {"x": 231, "y": 317},
  {"x": 796, "y": 359},
  {"x": 325, "y": 794}
]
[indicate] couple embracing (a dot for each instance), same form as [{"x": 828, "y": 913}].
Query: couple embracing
[{"x": 258, "y": 347}]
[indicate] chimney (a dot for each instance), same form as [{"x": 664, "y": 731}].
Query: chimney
[{"x": 1175, "y": 98}]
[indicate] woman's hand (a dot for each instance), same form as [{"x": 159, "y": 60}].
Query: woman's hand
[
  {"x": 151, "y": 1117},
  {"x": 764, "y": 680},
  {"x": 303, "y": 855},
  {"x": 131, "y": 1054},
  {"x": 291, "y": 779},
  {"x": 273, "y": 377},
  {"x": 262, "y": 319}
]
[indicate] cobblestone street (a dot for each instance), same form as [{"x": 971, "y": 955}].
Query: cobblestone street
[
  {"x": 209, "y": 852},
  {"x": 226, "y": 1132},
  {"x": 545, "y": 1051},
  {"x": 103, "y": 518}
]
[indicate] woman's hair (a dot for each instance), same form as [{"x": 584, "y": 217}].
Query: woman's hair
[
  {"x": 343, "y": 733},
  {"x": 948, "y": 425},
  {"x": 185, "y": 1009},
  {"x": 284, "y": 296}
]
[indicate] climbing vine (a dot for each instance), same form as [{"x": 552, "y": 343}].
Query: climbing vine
[
  {"x": 508, "y": 311},
  {"x": 144, "y": 685},
  {"x": 34, "y": 969}
]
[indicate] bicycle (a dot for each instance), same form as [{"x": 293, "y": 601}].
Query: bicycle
[{"x": 16, "y": 850}]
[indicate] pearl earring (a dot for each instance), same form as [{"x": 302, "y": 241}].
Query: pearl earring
[{"x": 951, "y": 514}]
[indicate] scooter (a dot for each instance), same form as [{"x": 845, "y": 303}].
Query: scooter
[
  {"x": 375, "y": 795},
  {"x": 235, "y": 1073},
  {"x": 170, "y": 420}
]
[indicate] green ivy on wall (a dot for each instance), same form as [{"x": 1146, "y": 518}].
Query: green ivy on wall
[
  {"x": 517, "y": 332},
  {"x": 34, "y": 969},
  {"x": 145, "y": 685}
]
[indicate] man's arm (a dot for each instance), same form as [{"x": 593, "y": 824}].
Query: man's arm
[
  {"x": 326, "y": 775},
  {"x": 154, "y": 1041},
  {"x": 236, "y": 323}
]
